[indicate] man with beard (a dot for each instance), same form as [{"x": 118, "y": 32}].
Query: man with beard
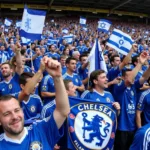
[
  {"x": 43, "y": 135},
  {"x": 10, "y": 75}
]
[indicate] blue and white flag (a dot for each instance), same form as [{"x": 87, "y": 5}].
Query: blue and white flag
[
  {"x": 65, "y": 31},
  {"x": 18, "y": 24},
  {"x": 25, "y": 41},
  {"x": 68, "y": 38},
  {"x": 120, "y": 41},
  {"x": 82, "y": 21},
  {"x": 104, "y": 25},
  {"x": 52, "y": 41},
  {"x": 7, "y": 22},
  {"x": 96, "y": 58},
  {"x": 91, "y": 125},
  {"x": 32, "y": 24}
]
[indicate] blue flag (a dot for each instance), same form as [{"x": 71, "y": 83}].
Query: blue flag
[
  {"x": 120, "y": 41},
  {"x": 7, "y": 22},
  {"x": 82, "y": 21},
  {"x": 18, "y": 24},
  {"x": 52, "y": 41},
  {"x": 104, "y": 25},
  {"x": 68, "y": 38},
  {"x": 96, "y": 58},
  {"x": 91, "y": 125},
  {"x": 32, "y": 24}
]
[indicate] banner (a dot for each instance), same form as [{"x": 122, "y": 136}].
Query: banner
[{"x": 91, "y": 125}]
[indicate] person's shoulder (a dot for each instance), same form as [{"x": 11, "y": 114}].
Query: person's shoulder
[
  {"x": 1, "y": 137},
  {"x": 85, "y": 93}
]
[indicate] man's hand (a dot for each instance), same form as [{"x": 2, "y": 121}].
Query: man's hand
[
  {"x": 17, "y": 47},
  {"x": 143, "y": 57},
  {"x": 116, "y": 105},
  {"x": 134, "y": 47},
  {"x": 53, "y": 67},
  {"x": 42, "y": 66}
]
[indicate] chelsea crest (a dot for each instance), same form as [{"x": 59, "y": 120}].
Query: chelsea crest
[{"x": 91, "y": 126}]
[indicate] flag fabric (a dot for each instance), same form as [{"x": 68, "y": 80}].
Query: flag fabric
[
  {"x": 91, "y": 125},
  {"x": 96, "y": 58},
  {"x": 120, "y": 41},
  {"x": 65, "y": 31},
  {"x": 25, "y": 41},
  {"x": 104, "y": 25},
  {"x": 7, "y": 22},
  {"x": 82, "y": 21},
  {"x": 52, "y": 41},
  {"x": 68, "y": 38},
  {"x": 32, "y": 24},
  {"x": 18, "y": 24}
]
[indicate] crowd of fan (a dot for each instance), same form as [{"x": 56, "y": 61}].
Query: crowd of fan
[{"x": 21, "y": 61}]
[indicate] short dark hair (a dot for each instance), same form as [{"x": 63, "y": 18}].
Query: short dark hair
[
  {"x": 94, "y": 76},
  {"x": 66, "y": 82},
  {"x": 83, "y": 55},
  {"x": 7, "y": 97},
  {"x": 135, "y": 60},
  {"x": 7, "y": 63},
  {"x": 124, "y": 71},
  {"x": 113, "y": 58},
  {"x": 69, "y": 59},
  {"x": 24, "y": 76}
]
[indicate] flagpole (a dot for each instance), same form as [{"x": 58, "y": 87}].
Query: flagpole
[{"x": 32, "y": 67}]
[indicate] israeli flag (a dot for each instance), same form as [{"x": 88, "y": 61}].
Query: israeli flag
[
  {"x": 52, "y": 41},
  {"x": 7, "y": 22},
  {"x": 32, "y": 24},
  {"x": 104, "y": 25},
  {"x": 85, "y": 29},
  {"x": 65, "y": 31},
  {"x": 82, "y": 21},
  {"x": 25, "y": 41},
  {"x": 120, "y": 41},
  {"x": 68, "y": 38},
  {"x": 96, "y": 58},
  {"x": 18, "y": 24}
]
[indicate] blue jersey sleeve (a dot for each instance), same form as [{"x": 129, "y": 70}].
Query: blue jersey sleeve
[
  {"x": 49, "y": 128},
  {"x": 141, "y": 103}
]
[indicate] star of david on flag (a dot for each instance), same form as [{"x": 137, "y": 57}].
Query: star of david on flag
[
  {"x": 104, "y": 25},
  {"x": 82, "y": 21},
  {"x": 32, "y": 24},
  {"x": 120, "y": 41}
]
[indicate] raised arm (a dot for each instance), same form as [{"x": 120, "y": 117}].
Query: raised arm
[
  {"x": 19, "y": 66},
  {"x": 31, "y": 83},
  {"x": 62, "y": 109},
  {"x": 142, "y": 58},
  {"x": 127, "y": 58}
]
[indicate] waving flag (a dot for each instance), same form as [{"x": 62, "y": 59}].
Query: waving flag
[
  {"x": 18, "y": 24},
  {"x": 96, "y": 58},
  {"x": 65, "y": 31},
  {"x": 52, "y": 41},
  {"x": 7, "y": 22},
  {"x": 32, "y": 24},
  {"x": 82, "y": 21},
  {"x": 104, "y": 25},
  {"x": 91, "y": 125},
  {"x": 25, "y": 41},
  {"x": 120, "y": 41},
  {"x": 68, "y": 38}
]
